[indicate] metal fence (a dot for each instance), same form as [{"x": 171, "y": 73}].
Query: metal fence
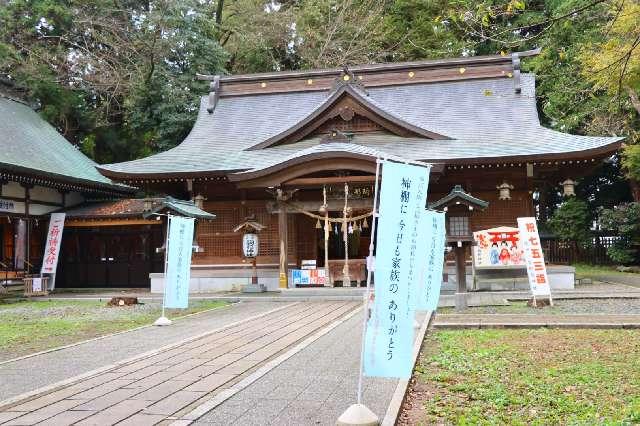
[{"x": 567, "y": 252}]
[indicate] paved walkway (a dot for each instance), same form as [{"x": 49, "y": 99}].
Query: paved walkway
[
  {"x": 173, "y": 381},
  {"x": 35, "y": 372},
  {"x": 314, "y": 387},
  {"x": 464, "y": 321}
]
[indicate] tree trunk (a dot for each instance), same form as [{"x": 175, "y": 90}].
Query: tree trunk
[
  {"x": 635, "y": 189},
  {"x": 635, "y": 101},
  {"x": 219, "y": 12}
]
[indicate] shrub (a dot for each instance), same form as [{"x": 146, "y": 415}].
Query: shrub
[
  {"x": 570, "y": 222},
  {"x": 624, "y": 220}
]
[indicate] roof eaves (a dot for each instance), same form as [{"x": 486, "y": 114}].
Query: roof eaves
[
  {"x": 458, "y": 193},
  {"x": 183, "y": 207},
  {"x": 70, "y": 180}
]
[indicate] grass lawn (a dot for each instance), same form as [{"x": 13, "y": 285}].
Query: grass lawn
[
  {"x": 593, "y": 271},
  {"x": 522, "y": 377},
  {"x": 32, "y": 326}
]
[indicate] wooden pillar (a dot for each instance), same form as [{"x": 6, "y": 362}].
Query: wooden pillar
[
  {"x": 461, "y": 269},
  {"x": 284, "y": 246},
  {"x": 461, "y": 277}
]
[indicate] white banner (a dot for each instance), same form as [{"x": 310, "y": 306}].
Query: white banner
[
  {"x": 536, "y": 269},
  {"x": 389, "y": 333},
  {"x": 52, "y": 247},
  {"x": 180, "y": 247}
]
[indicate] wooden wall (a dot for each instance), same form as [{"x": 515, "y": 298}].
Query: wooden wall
[
  {"x": 222, "y": 246},
  {"x": 481, "y": 183}
]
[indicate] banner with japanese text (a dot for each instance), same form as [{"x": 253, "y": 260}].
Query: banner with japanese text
[
  {"x": 52, "y": 246},
  {"x": 389, "y": 334},
  {"x": 428, "y": 286},
  {"x": 180, "y": 246},
  {"x": 534, "y": 258}
]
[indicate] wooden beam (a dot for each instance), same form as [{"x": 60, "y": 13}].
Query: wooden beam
[
  {"x": 329, "y": 180},
  {"x": 313, "y": 206},
  {"x": 378, "y": 78}
]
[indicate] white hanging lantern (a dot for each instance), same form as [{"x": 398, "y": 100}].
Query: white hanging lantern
[
  {"x": 569, "y": 188},
  {"x": 250, "y": 245},
  {"x": 505, "y": 191}
]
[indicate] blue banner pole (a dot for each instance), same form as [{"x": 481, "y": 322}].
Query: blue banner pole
[
  {"x": 370, "y": 264},
  {"x": 163, "y": 320}
]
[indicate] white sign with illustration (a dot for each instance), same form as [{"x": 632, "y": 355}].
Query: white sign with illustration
[{"x": 500, "y": 246}]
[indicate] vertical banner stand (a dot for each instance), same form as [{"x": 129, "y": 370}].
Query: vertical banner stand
[
  {"x": 358, "y": 413},
  {"x": 163, "y": 320}
]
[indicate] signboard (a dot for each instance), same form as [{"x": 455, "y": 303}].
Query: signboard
[
  {"x": 429, "y": 284},
  {"x": 180, "y": 245},
  {"x": 536, "y": 269},
  {"x": 389, "y": 333},
  {"x": 308, "y": 264},
  {"x": 36, "y": 285},
  {"x": 20, "y": 244},
  {"x": 498, "y": 247},
  {"x": 309, "y": 276},
  {"x": 7, "y": 205},
  {"x": 250, "y": 245},
  {"x": 52, "y": 246}
]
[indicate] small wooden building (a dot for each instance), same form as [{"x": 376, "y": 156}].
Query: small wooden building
[
  {"x": 40, "y": 172},
  {"x": 272, "y": 145}
]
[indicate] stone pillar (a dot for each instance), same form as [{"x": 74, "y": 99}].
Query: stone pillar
[{"x": 461, "y": 276}]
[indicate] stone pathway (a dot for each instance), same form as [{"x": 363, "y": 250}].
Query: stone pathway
[
  {"x": 170, "y": 383},
  {"x": 472, "y": 321},
  {"x": 314, "y": 387},
  {"x": 42, "y": 370}
]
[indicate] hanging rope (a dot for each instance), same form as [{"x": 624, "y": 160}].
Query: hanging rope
[{"x": 331, "y": 219}]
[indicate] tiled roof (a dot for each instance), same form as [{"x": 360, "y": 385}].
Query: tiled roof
[
  {"x": 130, "y": 207},
  {"x": 28, "y": 144},
  {"x": 135, "y": 207},
  {"x": 457, "y": 193},
  {"x": 182, "y": 208},
  {"x": 484, "y": 119}
]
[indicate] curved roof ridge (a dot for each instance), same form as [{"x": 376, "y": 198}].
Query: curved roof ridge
[
  {"x": 322, "y": 150},
  {"x": 360, "y": 97}
]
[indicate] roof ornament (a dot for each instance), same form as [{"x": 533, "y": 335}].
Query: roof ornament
[
  {"x": 515, "y": 61},
  {"x": 214, "y": 89},
  {"x": 348, "y": 78},
  {"x": 337, "y": 136}
]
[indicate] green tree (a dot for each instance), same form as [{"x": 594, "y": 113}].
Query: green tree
[
  {"x": 119, "y": 76},
  {"x": 624, "y": 220},
  {"x": 571, "y": 222}
]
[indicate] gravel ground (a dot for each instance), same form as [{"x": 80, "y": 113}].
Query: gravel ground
[
  {"x": 600, "y": 286},
  {"x": 561, "y": 307}
]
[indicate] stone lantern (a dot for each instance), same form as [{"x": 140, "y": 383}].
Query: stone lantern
[
  {"x": 505, "y": 191},
  {"x": 569, "y": 188},
  {"x": 250, "y": 250}
]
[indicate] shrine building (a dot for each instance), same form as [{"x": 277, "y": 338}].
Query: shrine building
[
  {"x": 296, "y": 150},
  {"x": 40, "y": 172}
]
